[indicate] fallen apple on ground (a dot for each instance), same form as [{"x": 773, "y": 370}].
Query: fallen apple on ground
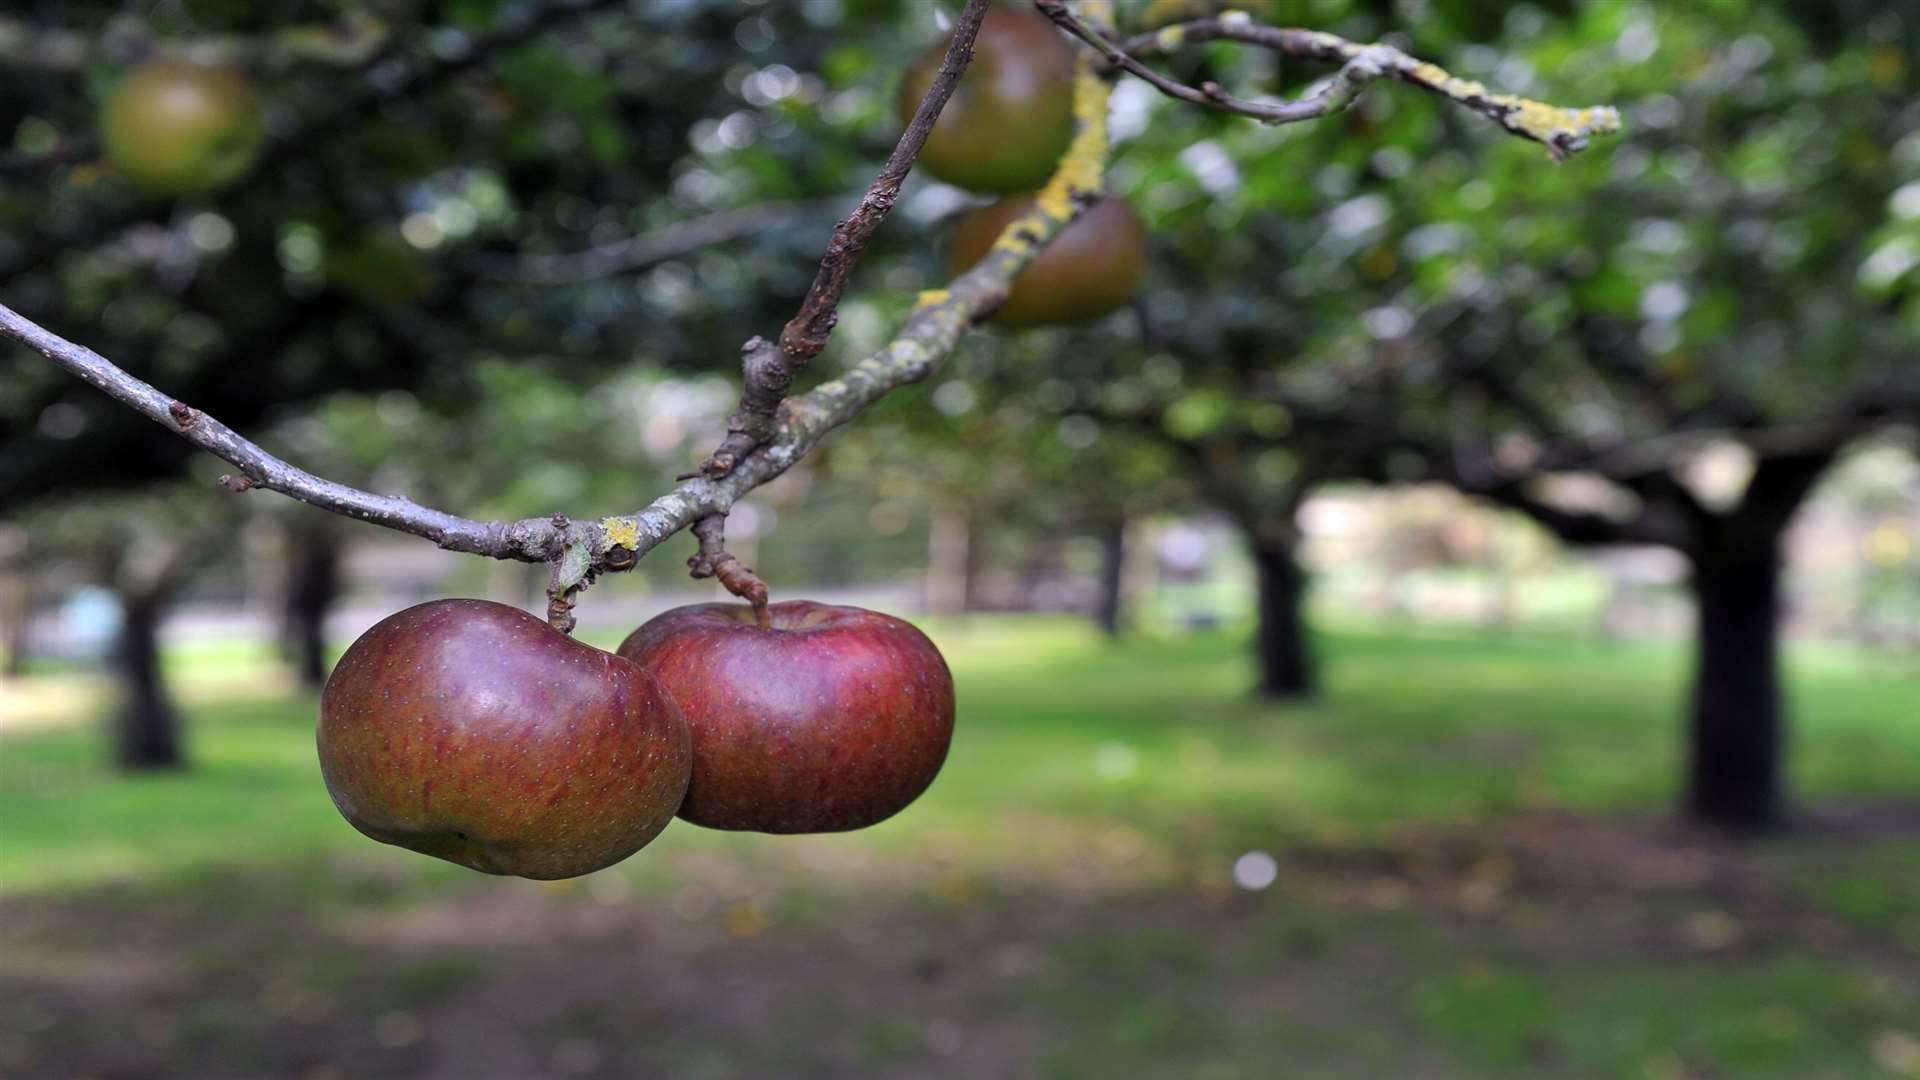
[
  {"x": 476, "y": 733},
  {"x": 826, "y": 719}
]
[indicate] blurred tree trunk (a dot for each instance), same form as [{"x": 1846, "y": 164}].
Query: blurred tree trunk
[
  {"x": 313, "y": 585},
  {"x": 1282, "y": 648},
  {"x": 950, "y": 561},
  {"x": 1735, "y": 752},
  {"x": 16, "y": 610},
  {"x": 1111, "y": 613},
  {"x": 1504, "y": 611},
  {"x": 146, "y": 728}
]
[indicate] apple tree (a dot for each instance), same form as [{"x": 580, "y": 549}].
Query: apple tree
[
  {"x": 1737, "y": 284},
  {"x": 573, "y": 214},
  {"x": 297, "y": 262}
]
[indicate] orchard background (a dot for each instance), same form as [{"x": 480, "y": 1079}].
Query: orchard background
[{"x": 1461, "y": 617}]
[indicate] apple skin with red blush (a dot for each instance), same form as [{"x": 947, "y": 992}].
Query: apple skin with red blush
[
  {"x": 473, "y": 732},
  {"x": 826, "y": 719}
]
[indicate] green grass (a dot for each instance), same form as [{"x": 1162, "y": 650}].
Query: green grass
[{"x": 1085, "y": 827}]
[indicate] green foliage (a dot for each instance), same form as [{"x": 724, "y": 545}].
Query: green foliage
[{"x": 593, "y": 128}]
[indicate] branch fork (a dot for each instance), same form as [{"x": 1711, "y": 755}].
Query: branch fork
[
  {"x": 1562, "y": 131},
  {"x": 768, "y": 369}
]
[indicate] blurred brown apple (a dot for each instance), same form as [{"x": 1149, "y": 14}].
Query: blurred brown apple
[
  {"x": 1011, "y": 116},
  {"x": 176, "y": 127},
  {"x": 476, "y": 733},
  {"x": 829, "y": 718},
  {"x": 1093, "y": 267}
]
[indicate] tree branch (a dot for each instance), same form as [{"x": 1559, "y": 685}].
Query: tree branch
[
  {"x": 1779, "y": 485},
  {"x": 1611, "y": 353},
  {"x": 767, "y": 370},
  {"x": 385, "y": 79},
  {"x": 258, "y": 468},
  {"x": 351, "y": 40},
  {"x": 1562, "y": 131},
  {"x": 581, "y": 549},
  {"x": 640, "y": 251},
  {"x": 70, "y": 150},
  {"x": 713, "y": 560}
]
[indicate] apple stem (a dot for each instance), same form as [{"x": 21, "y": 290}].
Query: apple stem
[
  {"x": 560, "y": 613},
  {"x": 713, "y": 560},
  {"x": 760, "y": 614},
  {"x": 572, "y": 572}
]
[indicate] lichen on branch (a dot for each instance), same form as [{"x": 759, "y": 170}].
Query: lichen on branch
[
  {"x": 1563, "y": 131},
  {"x": 784, "y": 429},
  {"x": 767, "y": 368},
  {"x": 582, "y": 548}
]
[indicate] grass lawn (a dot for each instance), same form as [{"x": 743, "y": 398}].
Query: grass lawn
[{"x": 1457, "y": 864}]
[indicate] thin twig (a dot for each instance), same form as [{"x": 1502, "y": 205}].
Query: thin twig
[
  {"x": 642, "y": 250},
  {"x": 68, "y": 151},
  {"x": 349, "y": 41},
  {"x": 767, "y": 369},
  {"x": 935, "y": 325},
  {"x": 713, "y": 560},
  {"x": 385, "y": 78},
  {"x": 1562, "y": 131},
  {"x": 258, "y": 467},
  {"x": 564, "y": 585}
]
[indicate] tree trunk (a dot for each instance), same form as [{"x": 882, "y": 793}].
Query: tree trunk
[
  {"x": 146, "y": 729},
  {"x": 1284, "y": 653},
  {"x": 950, "y": 553},
  {"x": 16, "y": 611},
  {"x": 1734, "y": 774},
  {"x": 313, "y": 584},
  {"x": 1113, "y": 562},
  {"x": 1734, "y": 777}
]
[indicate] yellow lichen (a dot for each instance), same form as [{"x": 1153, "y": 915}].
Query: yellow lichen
[
  {"x": 1079, "y": 171},
  {"x": 1463, "y": 88},
  {"x": 1014, "y": 238},
  {"x": 1333, "y": 43},
  {"x": 621, "y": 532},
  {"x": 1537, "y": 120},
  {"x": 932, "y": 297},
  {"x": 1162, "y": 12},
  {"x": 1545, "y": 122},
  {"x": 1170, "y": 38}
]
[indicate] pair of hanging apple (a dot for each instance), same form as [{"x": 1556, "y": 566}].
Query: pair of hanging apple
[
  {"x": 476, "y": 733},
  {"x": 1003, "y": 133}
]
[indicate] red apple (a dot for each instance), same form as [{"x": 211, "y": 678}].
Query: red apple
[
  {"x": 476, "y": 733},
  {"x": 830, "y": 718}
]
